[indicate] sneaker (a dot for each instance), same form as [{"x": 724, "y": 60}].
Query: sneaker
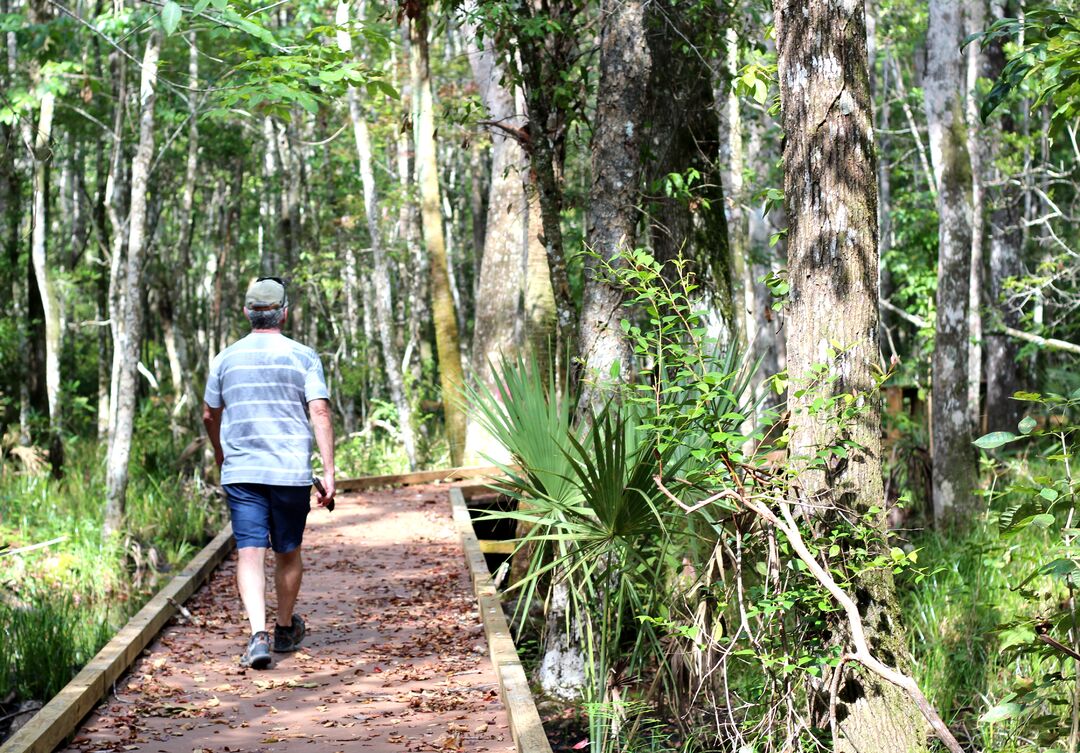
[
  {"x": 257, "y": 655},
  {"x": 289, "y": 638}
]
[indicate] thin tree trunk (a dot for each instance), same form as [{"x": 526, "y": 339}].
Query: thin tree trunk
[
  {"x": 611, "y": 223},
  {"x": 116, "y": 195},
  {"x": 731, "y": 157},
  {"x": 46, "y": 285},
  {"x": 127, "y": 349},
  {"x": 444, "y": 317},
  {"x": 975, "y": 18},
  {"x": 11, "y": 201},
  {"x": 831, "y": 198},
  {"x": 269, "y": 230},
  {"x": 1005, "y": 249},
  {"x": 382, "y": 283},
  {"x": 951, "y": 425}
]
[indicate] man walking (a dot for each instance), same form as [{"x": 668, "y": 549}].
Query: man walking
[{"x": 259, "y": 396}]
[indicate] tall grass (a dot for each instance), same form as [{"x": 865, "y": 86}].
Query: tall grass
[
  {"x": 59, "y": 604},
  {"x": 969, "y": 621}
]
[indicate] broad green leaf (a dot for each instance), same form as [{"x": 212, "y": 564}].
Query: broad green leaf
[
  {"x": 1048, "y": 494},
  {"x": 170, "y": 16},
  {"x": 200, "y": 6},
  {"x": 1001, "y": 713},
  {"x": 1026, "y": 425},
  {"x": 995, "y": 439},
  {"x": 1043, "y": 520}
]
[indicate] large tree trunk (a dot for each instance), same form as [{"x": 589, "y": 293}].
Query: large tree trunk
[
  {"x": 497, "y": 330},
  {"x": 380, "y": 268},
  {"x": 611, "y": 222},
  {"x": 545, "y": 139},
  {"x": 951, "y": 425},
  {"x": 831, "y": 200},
  {"x": 444, "y": 316},
  {"x": 541, "y": 312},
  {"x": 127, "y": 349}
]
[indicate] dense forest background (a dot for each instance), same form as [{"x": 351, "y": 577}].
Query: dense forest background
[{"x": 585, "y": 220}]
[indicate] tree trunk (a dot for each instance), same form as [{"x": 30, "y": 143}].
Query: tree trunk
[
  {"x": 541, "y": 311},
  {"x": 975, "y": 21},
  {"x": 611, "y": 223},
  {"x": 731, "y": 158},
  {"x": 127, "y": 349},
  {"x": 951, "y": 426},
  {"x": 497, "y": 330},
  {"x": 545, "y": 137},
  {"x": 269, "y": 231},
  {"x": 116, "y": 196},
  {"x": 380, "y": 267},
  {"x": 451, "y": 376},
  {"x": 1005, "y": 249},
  {"x": 46, "y": 285},
  {"x": 831, "y": 200}
]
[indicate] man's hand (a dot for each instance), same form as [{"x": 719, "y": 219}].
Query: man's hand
[{"x": 325, "y": 490}]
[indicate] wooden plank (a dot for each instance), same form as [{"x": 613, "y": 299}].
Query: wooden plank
[
  {"x": 526, "y": 728},
  {"x": 416, "y": 477},
  {"x": 60, "y": 716},
  {"x": 493, "y": 546}
]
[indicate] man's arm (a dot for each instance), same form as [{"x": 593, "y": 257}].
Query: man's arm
[
  {"x": 324, "y": 438},
  {"x": 211, "y": 418}
]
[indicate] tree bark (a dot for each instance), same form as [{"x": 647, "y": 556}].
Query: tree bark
[
  {"x": 127, "y": 349},
  {"x": 546, "y": 132},
  {"x": 1005, "y": 263},
  {"x": 380, "y": 268},
  {"x": 451, "y": 377},
  {"x": 951, "y": 425},
  {"x": 603, "y": 350},
  {"x": 831, "y": 200},
  {"x": 46, "y": 284},
  {"x": 978, "y": 153},
  {"x": 497, "y": 329}
]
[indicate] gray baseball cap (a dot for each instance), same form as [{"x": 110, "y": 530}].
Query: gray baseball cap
[{"x": 266, "y": 294}]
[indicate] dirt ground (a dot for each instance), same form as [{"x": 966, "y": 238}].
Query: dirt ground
[{"x": 395, "y": 658}]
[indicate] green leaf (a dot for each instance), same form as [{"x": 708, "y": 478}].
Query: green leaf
[
  {"x": 220, "y": 4},
  {"x": 995, "y": 439},
  {"x": 1026, "y": 425},
  {"x": 1001, "y": 712},
  {"x": 170, "y": 16},
  {"x": 200, "y": 6},
  {"x": 1048, "y": 494},
  {"x": 1043, "y": 520}
]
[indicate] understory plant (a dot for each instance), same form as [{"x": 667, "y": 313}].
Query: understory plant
[
  {"x": 705, "y": 603},
  {"x": 1036, "y": 495}
]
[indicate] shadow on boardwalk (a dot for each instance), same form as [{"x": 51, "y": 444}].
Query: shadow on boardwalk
[{"x": 395, "y": 658}]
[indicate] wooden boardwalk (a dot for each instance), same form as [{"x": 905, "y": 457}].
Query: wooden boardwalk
[{"x": 395, "y": 660}]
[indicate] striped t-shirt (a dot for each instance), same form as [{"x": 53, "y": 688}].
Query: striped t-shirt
[{"x": 265, "y": 382}]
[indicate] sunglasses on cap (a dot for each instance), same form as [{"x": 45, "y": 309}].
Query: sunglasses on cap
[{"x": 280, "y": 281}]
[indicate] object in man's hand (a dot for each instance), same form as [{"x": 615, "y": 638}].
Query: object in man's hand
[{"x": 322, "y": 492}]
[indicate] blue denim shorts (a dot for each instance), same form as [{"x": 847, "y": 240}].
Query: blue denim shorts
[{"x": 268, "y": 516}]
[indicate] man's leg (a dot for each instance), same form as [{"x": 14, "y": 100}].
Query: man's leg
[
  {"x": 287, "y": 576},
  {"x": 251, "y": 581}
]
